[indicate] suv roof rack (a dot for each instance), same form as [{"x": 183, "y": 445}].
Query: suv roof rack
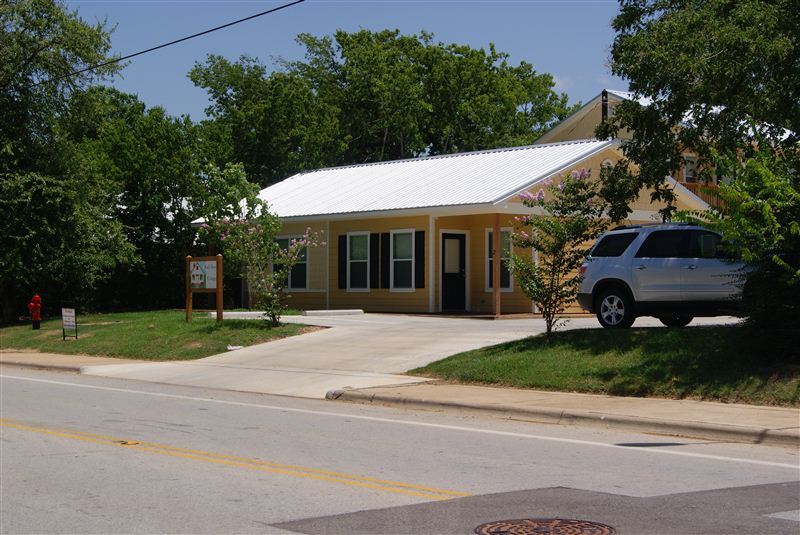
[{"x": 642, "y": 225}]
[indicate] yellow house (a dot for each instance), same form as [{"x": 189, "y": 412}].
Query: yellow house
[
  {"x": 582, "y": 123},
  {"x": 421, "y": 235}
]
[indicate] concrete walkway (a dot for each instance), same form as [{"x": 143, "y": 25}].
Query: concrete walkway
[{"x": 353, "y": 352}]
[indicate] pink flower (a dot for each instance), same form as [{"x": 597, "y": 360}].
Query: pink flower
[
  {"x": 584, "y": 174},
  {"x": 524, "y": 235},
  {"x": 574, "y": 174},
  {"x": 540, "y": 195},
  {"x": 526, "y": 196},
  {"x": 548, "y": 182},
  {"x": 560, "y": 186}
]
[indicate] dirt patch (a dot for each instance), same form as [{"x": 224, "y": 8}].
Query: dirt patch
[
  {"x": 310, "y": 329},
  {"x": 194, "y": 345}
]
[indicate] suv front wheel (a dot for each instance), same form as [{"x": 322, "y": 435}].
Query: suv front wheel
[{"x": 615, "y": 309}]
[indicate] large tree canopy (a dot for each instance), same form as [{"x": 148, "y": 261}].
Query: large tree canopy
[
  {"x": 717, "y": 72},
  {"x": 371, "y": 96},
  {"x": 150, "y": 162},
  {"x": 58, "y": 233},
  {"x": 40, "y": 42}
]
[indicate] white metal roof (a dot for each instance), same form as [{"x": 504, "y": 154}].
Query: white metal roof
[{"x": 471, "y": 178}]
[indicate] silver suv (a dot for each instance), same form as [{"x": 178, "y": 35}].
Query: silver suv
[{"x": 671, "y": 271}]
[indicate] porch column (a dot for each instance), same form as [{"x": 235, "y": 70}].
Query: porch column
[{"x": 496, "y": 261}]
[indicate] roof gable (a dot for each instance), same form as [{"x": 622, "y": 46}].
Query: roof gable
[
  {"x": 465, "y": 179},
  {"x": 582, "y": 123}
]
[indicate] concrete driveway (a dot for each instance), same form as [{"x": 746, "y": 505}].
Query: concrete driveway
[{"x": 353, "y": 352}]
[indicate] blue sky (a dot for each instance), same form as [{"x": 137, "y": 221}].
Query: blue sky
[{"x": 569, "y": 39}]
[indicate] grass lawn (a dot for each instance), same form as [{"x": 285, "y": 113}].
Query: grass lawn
[
  {"x": 154, "y": 335},
  {"x": 731, "y": 364}
]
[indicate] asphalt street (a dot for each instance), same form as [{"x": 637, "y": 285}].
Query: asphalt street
[{"x": 82, "y": 454}]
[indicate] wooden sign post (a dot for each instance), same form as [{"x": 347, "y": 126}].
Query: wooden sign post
[{"x": 203, "y": 275}]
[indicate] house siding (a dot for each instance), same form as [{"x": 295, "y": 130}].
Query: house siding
[{"x": 376, "y": 299}]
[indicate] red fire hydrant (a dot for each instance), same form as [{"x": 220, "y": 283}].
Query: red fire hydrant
[{"x": 35, "y": 308}]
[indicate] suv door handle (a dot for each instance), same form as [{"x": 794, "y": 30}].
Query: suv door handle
[
  {"x": 641, "y": 267},
  {"x": 691, "y": 266}
]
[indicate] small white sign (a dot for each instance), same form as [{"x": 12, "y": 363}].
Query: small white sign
[
  {"x": 68, "y": 319},
  {"x": 203, "y": 274}
]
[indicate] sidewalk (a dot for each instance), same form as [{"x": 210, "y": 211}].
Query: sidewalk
[{"x": 700, "y": 419}]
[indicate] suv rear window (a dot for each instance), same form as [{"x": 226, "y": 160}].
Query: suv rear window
[
  {"x": 704, "y": 244},
  {"x": 665, "y": 244},
  {"x": 613, "y": 244}
]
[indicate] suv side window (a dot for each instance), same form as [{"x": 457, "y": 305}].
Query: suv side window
[
  {"x": 704, "y": 244},
  {"x": 665, "y": 244},
  {"x": 613, "y": 244}
]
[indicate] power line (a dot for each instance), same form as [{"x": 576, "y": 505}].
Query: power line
[{"x": 117, "y": 60}]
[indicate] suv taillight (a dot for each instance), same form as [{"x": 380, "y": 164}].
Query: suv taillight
[{"x": 582, "y": 269}]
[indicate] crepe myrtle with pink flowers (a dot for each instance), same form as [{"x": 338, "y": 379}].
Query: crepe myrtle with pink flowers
[
  {"x": 248, "y": 234},
  {"x": 567, "y": 216}
]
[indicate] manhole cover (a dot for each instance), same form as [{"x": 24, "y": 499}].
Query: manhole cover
[{"x": 549, "y": 526}]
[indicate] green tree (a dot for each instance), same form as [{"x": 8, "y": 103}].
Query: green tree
[
  {"x": 371, "y": 96},
  {"x": 57, "y": 238},
  {"x": 58, "y": 235},
  {"x": 761, "y": 222},
  {"x": 41, "y": 41},
  {"x": 712, "y": 71},
  {"x": 152, "y": 163},
  {"x": 566, "y": 219},
  {"x": 274, "y": 124}
]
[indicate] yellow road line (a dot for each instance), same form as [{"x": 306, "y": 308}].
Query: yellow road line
[{"x": 243, "y": 462}]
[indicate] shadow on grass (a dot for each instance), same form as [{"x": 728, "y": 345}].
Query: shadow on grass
[
  {"x": 241, "y": 325},
  {"x": 731, "y": 363}
]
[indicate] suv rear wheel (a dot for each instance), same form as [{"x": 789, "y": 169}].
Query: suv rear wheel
[
  {"x": 615, "y": 309},
  {"x": 676, "y": 320}
]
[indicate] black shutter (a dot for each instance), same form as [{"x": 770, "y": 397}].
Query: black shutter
[
  {"x": 385, "y": 260},
  {"x": 343, "y": 262},
  {"x": 419, "y": 259},
  {"x": 374, "y": 253}
]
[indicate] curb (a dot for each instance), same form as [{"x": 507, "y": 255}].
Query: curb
[
  {"x": 707, "y": 431},
  {"x": 55, "y": 367}
]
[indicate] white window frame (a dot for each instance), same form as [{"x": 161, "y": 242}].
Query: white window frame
[
  {"x": 686, "y": 159},
  {"x": 289, "y": 279},
  {"x": 486, "y": 259},
  {"x": 392, "y": 260},
  {"x": 358, "y": 233}
]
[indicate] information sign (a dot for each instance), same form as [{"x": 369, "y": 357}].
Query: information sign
[
  {"x": 68, "y": 322},
  {"x": 204, "y": 275}
]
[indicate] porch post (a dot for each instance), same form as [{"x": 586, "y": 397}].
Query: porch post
[
  {"x": 496, "y": 261},
  {"x": 431, "y": 263}
]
